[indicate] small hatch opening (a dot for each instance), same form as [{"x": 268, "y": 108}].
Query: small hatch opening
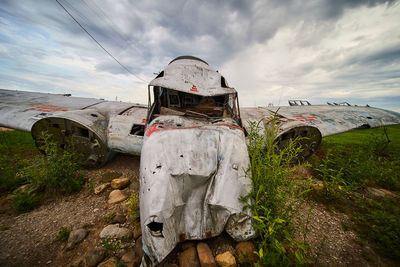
[
  {"x": 156, "y": 229},
  {"x": 161, "y": 74},
  {"x": 137, "y": 129},
  {"x": 223, "y": 82}
]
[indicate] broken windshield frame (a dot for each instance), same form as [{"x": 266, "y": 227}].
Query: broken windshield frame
[{"x": 172, "y": 102}]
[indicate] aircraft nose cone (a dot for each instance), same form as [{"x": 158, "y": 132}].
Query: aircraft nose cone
[{"x": 190, "y": 184}]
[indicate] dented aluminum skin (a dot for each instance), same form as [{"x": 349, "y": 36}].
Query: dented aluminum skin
[
  {"x": 192, "y": 174},
  {"x": 193, "y": 76}
]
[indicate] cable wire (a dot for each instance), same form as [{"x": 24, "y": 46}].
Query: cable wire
[{"x": 83, "y": 28}]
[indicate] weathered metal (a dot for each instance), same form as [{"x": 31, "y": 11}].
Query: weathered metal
[
  {"x": 194, "y": 76},
  {"x": 187, "y": 168}
]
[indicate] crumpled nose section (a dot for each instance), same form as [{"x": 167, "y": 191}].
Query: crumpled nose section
[{"x": 190, "y": 184}]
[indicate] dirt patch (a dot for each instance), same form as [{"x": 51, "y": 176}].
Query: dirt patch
[
  {"x": 29, "y": 239},
  {"x": 332, "y": 242}
]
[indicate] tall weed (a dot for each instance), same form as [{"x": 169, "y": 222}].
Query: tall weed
[{"x": 273, "y": 198}]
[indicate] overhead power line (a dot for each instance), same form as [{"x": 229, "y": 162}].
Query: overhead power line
[{"x": 105, "y": 50}]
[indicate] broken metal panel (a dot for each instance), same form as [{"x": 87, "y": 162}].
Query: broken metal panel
[
  {"x": 329, "y": 120},
  {"x": 122, "y": 134},
  {"x": 192, "y": 174},
  {"x": 194, "y": 77},
  {"x": 85, "y": 130}
]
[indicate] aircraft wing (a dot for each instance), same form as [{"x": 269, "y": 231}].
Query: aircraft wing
[
  {"x": 20, "y": 110},
  {"x": 315, "y": 122},
  {"x": 98, "y": 126},
  {"x": 329, "y": 120}
]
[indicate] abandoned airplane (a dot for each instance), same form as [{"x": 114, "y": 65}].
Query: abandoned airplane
[{"x": 192, "y": 140}]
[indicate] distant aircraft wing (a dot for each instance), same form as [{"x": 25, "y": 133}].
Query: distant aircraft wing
[
  {"x": 329, "y": 120},
  {"x": 315, "y": 122},
  {"x": 97, "y": 125}
]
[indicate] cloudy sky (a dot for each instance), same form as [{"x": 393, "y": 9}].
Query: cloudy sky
[{"x": 270, "y": 51}]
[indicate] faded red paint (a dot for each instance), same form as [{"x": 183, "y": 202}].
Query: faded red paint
[
  {"x": 302, "y": 118},
  {"x": 208, "y": 234},
  {"x": 48, "y": 108},
  {"x": 182, "y": 237},
  {"x": 194, "y": 89},
  {"x": 143, "y": 120},
  {"x": 161, "y": 127}
]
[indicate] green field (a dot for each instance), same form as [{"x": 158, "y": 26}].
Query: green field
[{"x": 351, "y": 163}]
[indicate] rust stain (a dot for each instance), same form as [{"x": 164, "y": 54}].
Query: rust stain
[
  {"x": 208, "y": 234},
  {"x": 182, "y": 237}
]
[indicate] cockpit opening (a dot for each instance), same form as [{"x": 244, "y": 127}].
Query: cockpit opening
[{"x": 173, "y": 102}]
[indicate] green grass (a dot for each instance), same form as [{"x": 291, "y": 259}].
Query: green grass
[
  {"x": 360, "y": 158},
  {"x": 16, "y": 141},
  {"x": 349, "y": 163},
  {"x": 379, "y": 222},
  {"x": 16, "y": 148},
  {"x": 364, "y": 137}
]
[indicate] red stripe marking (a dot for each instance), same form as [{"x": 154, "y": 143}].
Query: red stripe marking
[
  {"x": 161, "y": 127},
  {"x": 302, "y": 118},
  {"x": 48, "y": 108}
]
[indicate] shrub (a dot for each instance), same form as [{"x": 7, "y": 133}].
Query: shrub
[
  {"x": 111, "y": 246},
  {"x": 59, "y": 170},
  {"x": 24, "y": 201},
  {"x": 63, "y": 234}
]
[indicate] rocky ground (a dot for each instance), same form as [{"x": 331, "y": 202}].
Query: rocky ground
[{"x": 103, "y": 232}]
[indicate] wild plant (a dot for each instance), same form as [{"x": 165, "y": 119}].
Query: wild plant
[
  {"x": 274, "y": 196},
  {"x": 132, "y": 203},
  {"x": 58, "y": 170}
]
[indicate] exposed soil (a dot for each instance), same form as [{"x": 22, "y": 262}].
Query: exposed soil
[{"x": 30, "y": 239}]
